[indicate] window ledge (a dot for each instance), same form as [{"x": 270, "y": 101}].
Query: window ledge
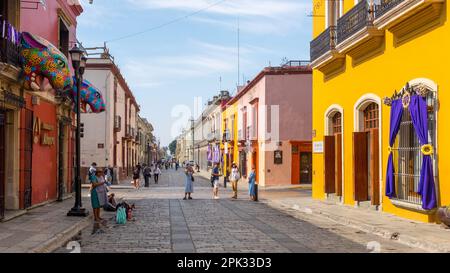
[{"x": 410, "y": 206}]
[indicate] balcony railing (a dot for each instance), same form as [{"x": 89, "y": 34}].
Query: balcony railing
[
  {"x": 323, "y": 43},
  {"x": 354, "y": 20},
  {"x": 385, "y": 6},
  {"x": 9, "y": 52}
]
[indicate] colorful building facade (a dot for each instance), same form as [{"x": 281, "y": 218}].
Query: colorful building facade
[
  {"x": 376, "y": 65},
  {"x": 267, "y": 125}
]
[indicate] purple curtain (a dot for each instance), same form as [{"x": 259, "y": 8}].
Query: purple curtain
[
  {"x": 419, "y": 117},
  {"x": 396, "y": 117},
  {"x": 216, "y": 154}
]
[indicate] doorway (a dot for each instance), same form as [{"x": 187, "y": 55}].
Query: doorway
[
  {"x": 305, "y": 168},
  {"x": 27, "y": 155},
  {"x": 333, "y": 155},
  {"x": 61, "y": 166},
  {"x": 366, "y": 155},
  {"x": 2, "y": 162}
]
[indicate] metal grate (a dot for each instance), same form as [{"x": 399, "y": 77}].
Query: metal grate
[
  {"x": 385, "y": 6},
  {"x": 408, "y": 156}
]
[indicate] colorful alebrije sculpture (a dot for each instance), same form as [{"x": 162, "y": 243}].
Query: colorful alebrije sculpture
[
  {"x": 89, "y": 96},
  {"x": 40, "y": 59}
]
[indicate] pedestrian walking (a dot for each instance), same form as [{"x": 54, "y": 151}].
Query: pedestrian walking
[
  {"x": 188, "y": 185},
  {"x": 99, "y": 196},
  {"x": 234, "y": 178},
  {"x": 108, "y": 175},
  {"x": 215, "y": 178},
  {"x": 156, "y": 173},
  {"x": 136, "y": 177},
  {"x": 252, "y": 184},
  {"x": 147, "y": 172},
  {"x": 92, "y": 170}
]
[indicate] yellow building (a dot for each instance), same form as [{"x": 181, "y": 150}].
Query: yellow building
[
  {"x": 361, "y": 53},
  {"x": 230, "y": 138}
]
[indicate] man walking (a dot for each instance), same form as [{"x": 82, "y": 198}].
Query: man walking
[
  {"x": 147, "y": 175},
  {"x": 156, "y": 173},
  {"x": 215, "y": 178}
]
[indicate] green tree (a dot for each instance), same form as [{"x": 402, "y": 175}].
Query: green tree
[{"x": 173, "y": 147}]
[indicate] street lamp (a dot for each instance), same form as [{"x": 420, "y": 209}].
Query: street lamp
[{"x": 79, "y": 64}]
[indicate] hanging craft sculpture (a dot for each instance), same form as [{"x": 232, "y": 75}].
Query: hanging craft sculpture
[
  {"x": 41, "y": 60},
  {"x": 89, "y": 96}
]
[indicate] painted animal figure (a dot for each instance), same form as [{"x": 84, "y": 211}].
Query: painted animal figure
[
  {"x": 41, "y": 60},
  {"x": 89, "y": 96}
]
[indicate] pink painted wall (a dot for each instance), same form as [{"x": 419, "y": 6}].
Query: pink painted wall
[
  {"x": 293, "y": 93},
  {"x": 45, "y": 22}
]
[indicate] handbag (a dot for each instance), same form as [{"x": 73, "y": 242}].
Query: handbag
[
  {"x": 192, "y": 178},
  {"x": 121, "y": 216}
]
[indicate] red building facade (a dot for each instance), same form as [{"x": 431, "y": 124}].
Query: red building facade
[{"x": 47, "y": 121}]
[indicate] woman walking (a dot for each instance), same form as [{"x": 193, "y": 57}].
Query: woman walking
[
  {"x": 251, "y": 184},
  {"x": 234, "y": 178},
  {"x": 136, "y": 176},
  {"x": 156, "y": 173},
  {"x": 188, "y": 185}
]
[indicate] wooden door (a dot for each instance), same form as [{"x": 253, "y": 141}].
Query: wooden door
[
  {"x": 338, "y": 163},
  {"x": 2, "y": 163},
  {"x": 295, "y": 166},
  {"x": 61, "y": 155},
  {"x": 305, "y": 167},
  {"x": 360, "y": 166},
  {"x": 329, "y": 157},
  {"x": 28, "y": 157},
  {"x": 375, "y": 166}
]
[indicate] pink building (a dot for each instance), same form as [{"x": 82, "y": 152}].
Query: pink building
[{"x": 275, "y": 125}]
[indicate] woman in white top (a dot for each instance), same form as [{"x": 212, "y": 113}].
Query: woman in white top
[
  {"x": 234, "y": 178},
  {"x": 156, "y": 173}
]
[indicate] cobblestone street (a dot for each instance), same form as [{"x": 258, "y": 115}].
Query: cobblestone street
[{"x": 163, "y": 222}]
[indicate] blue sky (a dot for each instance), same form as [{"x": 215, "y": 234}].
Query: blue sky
[{"x": 168, "y": 67}]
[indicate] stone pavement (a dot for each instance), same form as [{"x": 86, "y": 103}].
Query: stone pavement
[
  {"x": 41, "y": 229},
  {"x": 163, "y": 222},
  {"x": 427, "y": 236}
]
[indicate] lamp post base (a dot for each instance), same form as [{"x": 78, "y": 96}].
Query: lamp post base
[{"x": 80, "y": 212}]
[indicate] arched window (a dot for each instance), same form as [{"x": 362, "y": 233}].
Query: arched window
[
  {"x": 337, "y": 123},
  {"x": 408, "y": 156},
  {"x": 371, "y": 119}
]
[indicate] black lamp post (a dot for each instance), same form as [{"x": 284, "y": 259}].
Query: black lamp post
[{"x": 78, "y": 63}]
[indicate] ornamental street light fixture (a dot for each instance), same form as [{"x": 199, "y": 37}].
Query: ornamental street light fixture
[{"x": 79, "y": 64}]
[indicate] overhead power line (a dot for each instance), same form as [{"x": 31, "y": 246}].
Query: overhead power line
[{"x": 167, "y": 23}]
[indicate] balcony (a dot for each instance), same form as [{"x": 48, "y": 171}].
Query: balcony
[
  {"x": 356, "y": 34},
  {"x": 404, "y": 16},
  {"x": 323, "y": 47}
]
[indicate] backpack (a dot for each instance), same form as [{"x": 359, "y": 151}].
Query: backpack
[{"x": 121, "y": 216}]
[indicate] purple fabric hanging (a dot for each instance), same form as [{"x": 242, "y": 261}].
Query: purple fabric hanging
[
  {"x": 216, "y": 154},
  {"x": 396, "y": 117},
  {"x": 209, "y": 153},
  {"x": 419, "y": 117}
]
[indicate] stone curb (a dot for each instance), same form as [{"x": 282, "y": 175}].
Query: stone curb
[
  {"x": 368, "y": 228},
  {"x": 61, "y": 238}
]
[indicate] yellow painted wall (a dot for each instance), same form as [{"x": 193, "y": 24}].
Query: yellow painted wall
[
  {"x": 227, "y": 114},
  {"x": 426, "y": 55}
]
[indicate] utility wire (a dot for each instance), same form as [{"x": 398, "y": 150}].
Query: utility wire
[{"x": 167, "y": 23}]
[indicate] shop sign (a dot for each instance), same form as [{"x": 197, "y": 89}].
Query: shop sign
[
  {"x": 318, "y": 147},
  {"x": 44, "y": 138},
  {"x": 278, "y": 157}
]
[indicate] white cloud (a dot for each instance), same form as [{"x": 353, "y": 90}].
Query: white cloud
[
  {"x": 266, "y": 8},
  {"x": 256, "y": 16}
]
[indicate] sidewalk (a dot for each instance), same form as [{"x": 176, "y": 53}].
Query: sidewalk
[
  {"x": 42, "y": 229},
  {"x": 430, "y": 237}
]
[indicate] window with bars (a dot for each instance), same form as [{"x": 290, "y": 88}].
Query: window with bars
[
  {"x": 337, "y": 123},
  {"x": 408, "y": 156}
]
